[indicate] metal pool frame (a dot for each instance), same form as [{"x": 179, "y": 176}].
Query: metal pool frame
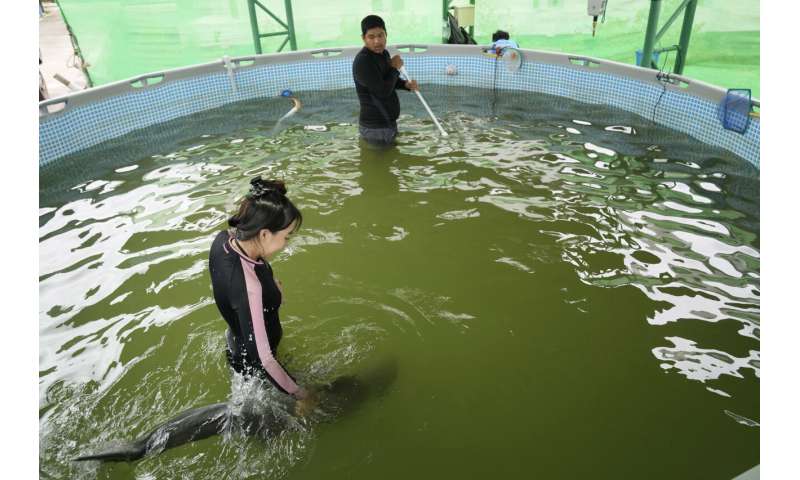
[{"x": 83, "y": 119}]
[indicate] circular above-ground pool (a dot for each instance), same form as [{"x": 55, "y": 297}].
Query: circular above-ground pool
[{"x": 566, "y": 286}]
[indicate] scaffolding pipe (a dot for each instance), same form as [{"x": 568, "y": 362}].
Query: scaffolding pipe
[
  {"x": 288, "y": 25},
  {"x": 290, "y": 21},
  {"x": 251, "y": 7},
  {"x": 671, "y": 20},
  {"x": 268, "y": 12},
  {"x": 686, "y": 33},
  {"x": 472, "y": 27},
  {"x": 650, "y": 35}
]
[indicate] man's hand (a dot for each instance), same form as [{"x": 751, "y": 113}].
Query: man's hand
[
  {"x": 412, "y": 85},
  {"x": 397, "y": 62}
]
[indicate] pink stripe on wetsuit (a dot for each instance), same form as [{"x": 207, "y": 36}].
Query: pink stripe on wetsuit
[{"x": 270, "y": 363}]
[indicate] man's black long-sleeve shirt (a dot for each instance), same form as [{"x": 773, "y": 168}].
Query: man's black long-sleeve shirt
[{"x": 376, "y": 81}]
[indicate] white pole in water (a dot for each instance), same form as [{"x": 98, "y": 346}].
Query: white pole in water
[{"x": 424, "y": 103}]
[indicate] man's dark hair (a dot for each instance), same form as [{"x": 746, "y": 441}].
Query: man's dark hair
[
  {"x": 500, "y": 35},
  {"x": 371, "y": 21}
]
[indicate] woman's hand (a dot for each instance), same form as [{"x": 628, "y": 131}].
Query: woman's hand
[
  {"x": 412, "y": 85},
  {"x": 306, "y": 402},
  {"x": 300, "y": 394}
]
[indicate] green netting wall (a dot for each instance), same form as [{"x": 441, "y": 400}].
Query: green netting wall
[{"x": 124, "y": 38}]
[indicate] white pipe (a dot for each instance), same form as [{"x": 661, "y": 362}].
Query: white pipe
[
  {"x": 68, "y": 83},
  {"x": 229, "y": 66},
  {"x": 296, "y": 106},
  {"x": 424, "y": 103}
]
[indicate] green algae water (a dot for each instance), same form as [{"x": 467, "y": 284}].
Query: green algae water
[{"x": 567, "y": 290}]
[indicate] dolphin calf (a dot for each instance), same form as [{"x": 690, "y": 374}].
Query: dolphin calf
[
  {"x": 336, "y": 399},
  {"x": 194, "y": 424}
]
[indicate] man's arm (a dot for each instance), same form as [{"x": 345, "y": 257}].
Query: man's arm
[
  {"x": 368, "y": 75},
  {"x": 409, "y": 85}
]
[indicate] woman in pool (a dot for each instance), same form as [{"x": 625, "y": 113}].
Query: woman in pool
[{"x": 247, "y": 295}]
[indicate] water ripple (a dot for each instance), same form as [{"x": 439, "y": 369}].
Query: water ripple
[{"x": 569, "y": 207}]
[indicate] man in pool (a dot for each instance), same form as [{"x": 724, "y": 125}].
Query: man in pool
[{"x": 377, "y": 77}]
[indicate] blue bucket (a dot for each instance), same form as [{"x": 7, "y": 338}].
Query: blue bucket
[
  {"x": 735, "y": 109},
  {"x": 639, "y": 57}
]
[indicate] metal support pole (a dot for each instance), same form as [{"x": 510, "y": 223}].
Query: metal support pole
[
  {"x": 75, "y": 47},
  {"x": 650, "y": 35},
  {"x": 472, "y": 27},
  {"x": 290, "y": 33},
  {"x": 290, "y": 22},
  {"x": 686, "y": 33},
  {"x": 276, "y": 34},
  {"x": 251, "y": 7},
  {"x": 671, "y": 20},
  {"x": 272, "y": 15},
  {"x": 445, "y": 8}
]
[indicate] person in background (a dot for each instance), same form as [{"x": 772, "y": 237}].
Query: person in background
[
  {"x": 376, "y": 77},
  {"x": 245, "y": 291},
  {"x": 501, "y": 40},
  {"x": 42, "y": 84}
]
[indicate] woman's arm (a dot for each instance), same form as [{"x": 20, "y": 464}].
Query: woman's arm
[{"x": 252, "y": 323}]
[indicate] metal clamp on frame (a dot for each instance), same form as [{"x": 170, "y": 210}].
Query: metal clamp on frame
[
  {"x": 411, "y": 48},
  {"x": 146, "y": 81},
  {"x": 326, "y": 52}
]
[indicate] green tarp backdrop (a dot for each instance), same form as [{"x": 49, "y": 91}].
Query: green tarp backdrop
[{"x": 124, "y": 38}]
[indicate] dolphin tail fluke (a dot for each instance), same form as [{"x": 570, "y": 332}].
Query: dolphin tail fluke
[{"x": 188, "y": 426}]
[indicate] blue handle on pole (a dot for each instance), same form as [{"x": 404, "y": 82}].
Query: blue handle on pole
[{"x": 286, "y": 93}]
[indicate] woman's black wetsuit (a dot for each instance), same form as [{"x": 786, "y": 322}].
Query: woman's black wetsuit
[{"x": 248, "y": 299}]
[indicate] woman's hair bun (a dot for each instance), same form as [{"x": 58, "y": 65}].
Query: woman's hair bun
[
  {"x": 260, "y": 187},
  {"x": 265, "y": 206}
]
